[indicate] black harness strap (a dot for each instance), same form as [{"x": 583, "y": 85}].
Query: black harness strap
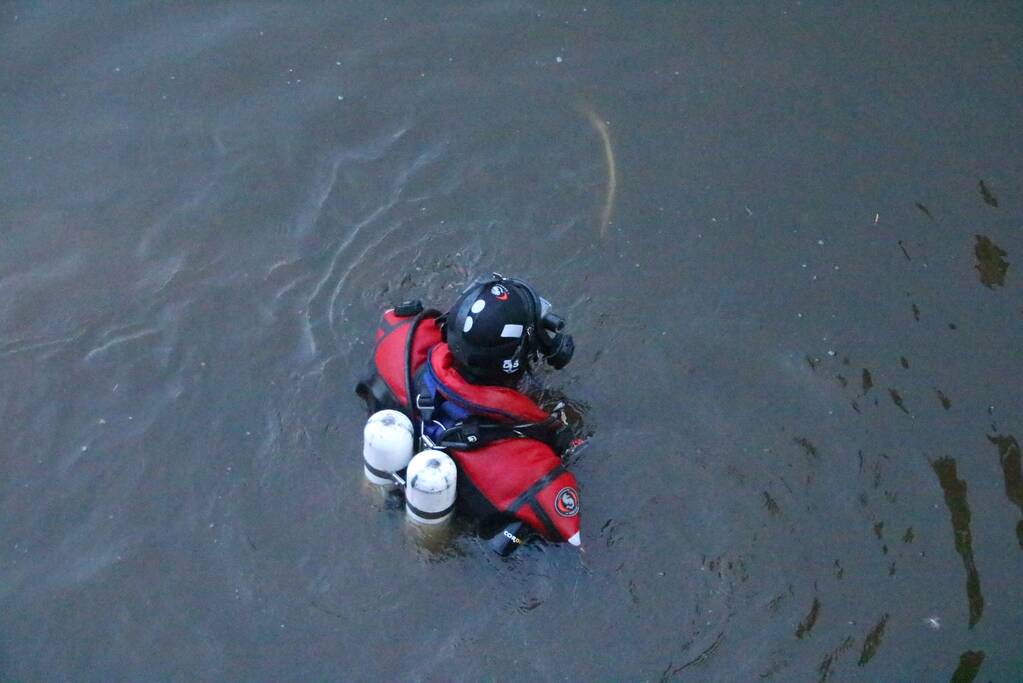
[
  {"x": 474, "y": 432},
  {"x": 380, "y": 473},
  {"x": 548, "y": 525},
  {"x": 537, "y": 486},
  {"x": 428, "y": 515}
]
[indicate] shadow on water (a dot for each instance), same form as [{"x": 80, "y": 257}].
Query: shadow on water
[{"x": 955, "y": 499}]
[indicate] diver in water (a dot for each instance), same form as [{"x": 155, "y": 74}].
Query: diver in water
[{"x": 456, "y": 376}]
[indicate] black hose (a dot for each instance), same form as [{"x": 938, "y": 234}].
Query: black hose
[{"x": 413, "y": 409}]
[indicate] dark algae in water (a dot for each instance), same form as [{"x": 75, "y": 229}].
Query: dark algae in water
[
  {"x": 706, "y": 654},
  {"x": 1012, "y": 472},
  {"x": 991, "y": 263},
  {"x": 806, "y": 624},
  {"x": 824, "y": 668},
  {"x": 969, "y": 666},
  {"x": 808, "y": 448},
  {"x": 955, "y": 499},
  {"x": 897, "y": 400},
  {"x": 989, "y": 198},
  {"x": 902, "y": 246},
  {"x": 872, "y": 641}
]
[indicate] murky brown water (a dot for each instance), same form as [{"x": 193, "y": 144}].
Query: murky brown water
[{"x": 787, "y": 240}]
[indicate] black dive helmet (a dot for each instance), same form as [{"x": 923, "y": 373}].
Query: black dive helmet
[{"x": 498, "y": 325}]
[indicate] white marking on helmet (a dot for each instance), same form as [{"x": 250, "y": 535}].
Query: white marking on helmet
[
  {"x": 478, "y": 306},
  {"x": 512, "y": 331},
  {"x": 468, "y": 324}
]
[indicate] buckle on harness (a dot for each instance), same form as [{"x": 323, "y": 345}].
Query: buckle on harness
[
  {"x": 425, "y": 406},
  {"x": 470, "y": 432},
  {"x": 461, "y": 437}
]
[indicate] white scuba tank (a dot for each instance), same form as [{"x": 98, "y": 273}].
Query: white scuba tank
[
  {"x": 386, "y": 446},
  {"x": 430, "y": 487}
]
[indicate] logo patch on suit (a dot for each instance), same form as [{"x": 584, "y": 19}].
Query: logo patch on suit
[{"x": 566, "y": 502}]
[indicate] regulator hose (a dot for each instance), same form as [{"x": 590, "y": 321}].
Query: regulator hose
[{"x": 413, "y": 409}]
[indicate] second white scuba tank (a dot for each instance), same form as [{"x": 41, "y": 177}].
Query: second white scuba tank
[
  {"x": 386, "y": 446},
  {"x": 430, "y": 487}
]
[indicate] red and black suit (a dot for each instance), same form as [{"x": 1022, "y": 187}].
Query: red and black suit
[{"x": 506, "y": 451}]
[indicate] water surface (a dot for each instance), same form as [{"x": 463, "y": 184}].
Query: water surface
[{"x": 788, "y": 242}]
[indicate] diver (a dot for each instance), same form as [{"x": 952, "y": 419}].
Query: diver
[{"x": 455, "y": 376}]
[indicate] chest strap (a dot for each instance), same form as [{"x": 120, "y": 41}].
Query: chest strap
[{"x": 475, "y": 432}]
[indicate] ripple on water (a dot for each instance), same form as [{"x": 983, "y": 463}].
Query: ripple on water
[{"x": 321, "y": 305}]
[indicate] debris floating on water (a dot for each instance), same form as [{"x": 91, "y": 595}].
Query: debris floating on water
[
  {"x": 991, "y": 263},
  {"x": 612, "y": 177}
]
